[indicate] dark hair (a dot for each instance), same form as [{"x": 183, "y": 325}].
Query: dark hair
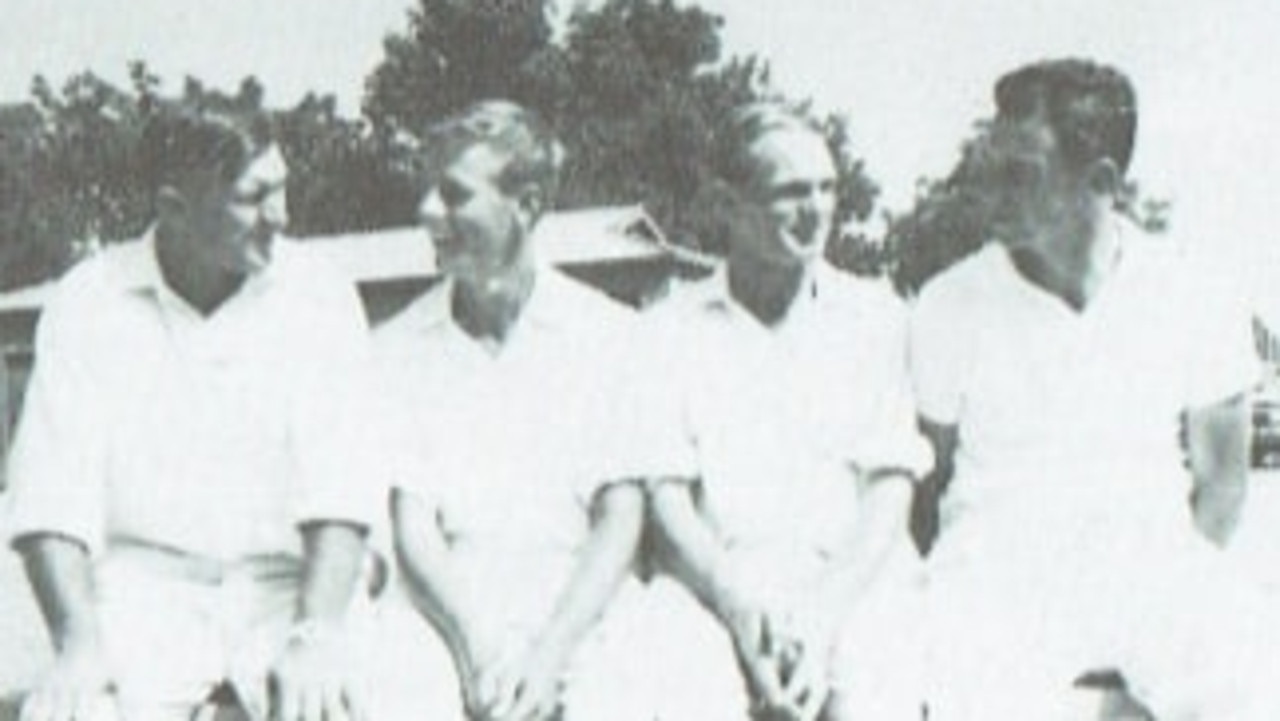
[
  {"x": 181, "y": 141},
  {"x": 534, "y": 155},
  {"x": 1092, "y": 108},
  {"x": 748, "y": 124}
]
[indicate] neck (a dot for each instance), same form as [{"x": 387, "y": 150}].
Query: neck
[
  {"x": 204, "y": 287},
  {"x": 768, "y": 291},
  {"x": 487, "y": 309},
  {"x": 1082, "y": 261}
]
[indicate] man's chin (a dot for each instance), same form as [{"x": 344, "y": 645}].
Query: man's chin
[{"x": 805, "y": 253}]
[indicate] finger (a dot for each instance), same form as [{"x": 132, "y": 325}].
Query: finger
[
  {"x": 536, "y": 701},
  {"x": 797, "y": 676},
  {"x": 36, "y": 707},
  {"x": 62, "y": 706},
  {"x": 286, "y": 702},
  {"x": 332, "y": 705},
  {"x": 486, "y": 688},
  {"x": 504, "y": 699},
  {"x": 93, "y": 707},
  {"x": 311, "y": 704},
  {"x": 767, "y": 636},
  {"x": 471, "y": 697},
  {"x": 353, "y": 699},
  {"x": 524, "y": 706},
  {"x": 807, "y": 683},
  {"x": 766, "y": 679}
]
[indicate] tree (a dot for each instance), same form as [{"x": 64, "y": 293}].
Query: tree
[
  {"x": 637, "y": 92},
  {"x": 343, "y": 177},
  {"x": 458, "y": 51},
  {"x": 651, "y": 96},
  {"x": 70, "y": 177},
  {"x": 70, "y": 174}
]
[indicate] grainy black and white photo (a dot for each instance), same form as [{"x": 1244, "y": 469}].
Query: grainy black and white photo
[{"x": 639, "y": 360}]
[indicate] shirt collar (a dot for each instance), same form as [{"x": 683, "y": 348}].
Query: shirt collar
[
  {"x": 550, "y": 303},
  {"x": 138, "y": 269},
  {"x": 715, "y": 296}
]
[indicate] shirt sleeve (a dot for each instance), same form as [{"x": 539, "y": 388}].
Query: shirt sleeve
[
  {"x": 937, "y": 357},
  {"x": 57, "y": 465},
  {"x": 1223, "y": 359},
  {"x": 894, "y": 442},
  {"x": 648, "y": 440},
  {"x": 334, "y": 427}
]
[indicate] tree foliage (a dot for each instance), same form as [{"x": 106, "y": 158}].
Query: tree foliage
[
  {"x": 69, "y": 175},
  {"x": 456, "y": 51},
  {"x": 636, "y": 90}
]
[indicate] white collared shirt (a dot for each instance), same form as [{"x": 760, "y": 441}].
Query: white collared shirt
[
  {"x": 149, "y": 423},
  {"x": 510, "y": 447},
  {"x": 1050, "y": 400},
  {"x": 784, "y": 419}
]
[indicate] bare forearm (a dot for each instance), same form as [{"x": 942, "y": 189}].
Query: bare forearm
[
  {"x": 881, "y": 529},
  {"x": 434, "y": 586},
  {"x": 334, "y": 561},
  {"x": 604, "y": 562},
  {"x": 692, "y": 551},
  {"x": 1218, "y": 449},
  {"x": 61, "y": 577}
]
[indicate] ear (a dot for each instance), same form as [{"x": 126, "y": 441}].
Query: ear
[
  {"x": 171, "y": 204},
  {"x": 531, "y": 202},
  {"x": 1105, "y": 178}
]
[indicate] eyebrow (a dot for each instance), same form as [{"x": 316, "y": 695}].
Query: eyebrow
[
  {"x": 800, "y": 187},
  {"x": 259, "y": 190}
]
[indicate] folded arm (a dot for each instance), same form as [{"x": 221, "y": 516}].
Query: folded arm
[
  {"x": 1218, "y": 451},
  {"x": 61, "y": 575}
]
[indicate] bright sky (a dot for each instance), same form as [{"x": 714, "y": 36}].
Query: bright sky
[{"x": 912, "y": 74}]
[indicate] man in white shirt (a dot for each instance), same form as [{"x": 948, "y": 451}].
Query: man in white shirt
[
  {"x": 519, "y": 439},
  {"x": 793, "y": 533},
  {"x": 1055, "y": 371},
  {"x": 183, "y": 484}
]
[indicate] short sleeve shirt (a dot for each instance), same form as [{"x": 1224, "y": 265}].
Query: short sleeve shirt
[
  {"x": 1042, "y": 394},
  {"x": 509, "y": 448},
  {"x": 147, "y": 422},
  {"x": 783, "y": 419}
]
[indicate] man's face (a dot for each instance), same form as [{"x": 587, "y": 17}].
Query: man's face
[
  {"x": 234, "y": 224},
  {"x": 474, "y": 224},
  {"x": 1034, "y": 189},
  {"x": 794, "y": 185}
]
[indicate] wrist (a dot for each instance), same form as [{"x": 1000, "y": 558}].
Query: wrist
[
  {"x": 75, "y": 641},
  {"x": 313, "y": 631}
]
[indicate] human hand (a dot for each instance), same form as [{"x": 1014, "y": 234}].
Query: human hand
[
  {"x": 803, "y": 636},
  {"x": 310, "y": 681},
  {"x": 77, "y": 688},
  {"x": 751, "y": 626},
  {"x": 522, "y": 684}
]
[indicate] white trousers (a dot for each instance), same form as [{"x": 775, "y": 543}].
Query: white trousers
[
  {"x": 1022, "y": 602},
  {"x": 175, "y": 627},
  {"x": 876, "y": 667},
  {"x": 412, "y": 675}
]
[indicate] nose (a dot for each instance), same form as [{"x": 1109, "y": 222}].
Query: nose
[
  {"x": 816, "y": 202},
  {"x": 273, "y": 211},
  {"x": 431, "y": 208}
]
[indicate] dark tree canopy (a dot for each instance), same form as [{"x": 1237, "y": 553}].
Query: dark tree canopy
[
  {"x": 636, "y": 88},
  {"x": 456, "y": 51}
]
